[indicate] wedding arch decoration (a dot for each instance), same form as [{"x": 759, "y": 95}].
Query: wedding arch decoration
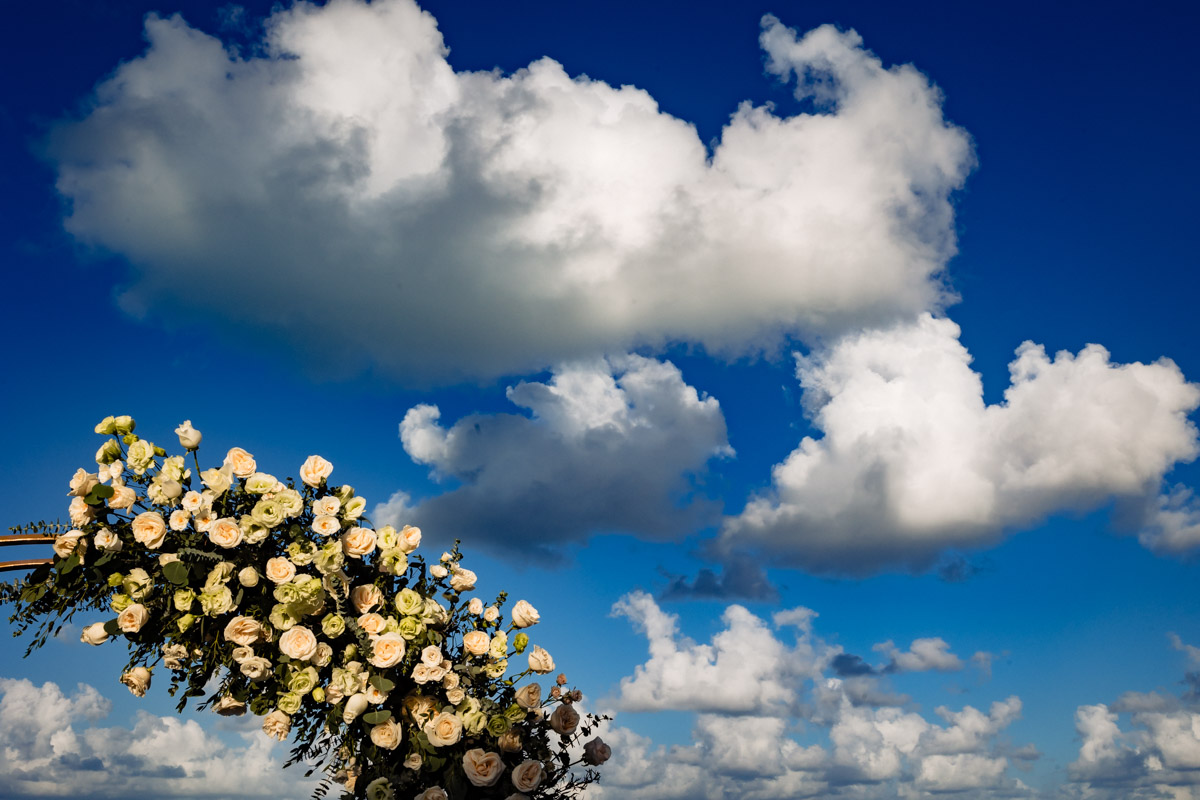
[{"x": 385, "y": 671}]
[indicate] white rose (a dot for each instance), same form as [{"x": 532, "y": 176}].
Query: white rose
[
  {"x": 540, "y": 661},
  {"x": 527, "y": 775},
  {"x": 314, "y": 470},
  {"x": 524, "y": 615},
  {"x": 133, "y": 618},
  {"x": 387, "y": 650},
  {"x": 444, "y": 729},
  {"x": 596, "y": 752},
  {"x": 280, "y": 570},
  {"x": 483, "y": 769},
  {"x": 410, "y": 538},
  {"x": 455, "y": 696},
  {"x": 242, "y": 652},
  {"x": 374, "y": 696},
  {"x": 227, "y": 706},
  {"x": 450, "y": 681},
  {"x": 94, "y": 634},
  {"x": 277, "y": 725},
  {"x": 243, "y": 631},
  {"x": 189, "y": 437},
  {"x": 366, "y": 597},
  {"x": 423, "y": 673},
  {"x": 413, "y": 761},
  {"x": 65, "y": 543},
  {"x": 358, "y": 542},
  {"x": 137, "y": 679},
  {"x": 355, "y": 706},
  {"x": 107, "y": 541},
  {"x": 564, "y": 719},
  {"x": 173, "y": 655},
  {"x": 248, "y": 577},
  {"x": 299, "y": 643},
  {"x": 83, "y": 482},
  {"x": 476, "y": 642},
  {"x": 240, "y": 462},
  {"x": 386, "y": 735},
  {"x": 226, "y": 533},
  {"x": 204, "y": 519},
  {"x": 149, "y": 529}
]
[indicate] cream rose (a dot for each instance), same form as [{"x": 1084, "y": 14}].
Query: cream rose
[
  {"x": 149, "y": 529},
  {"x": 386, "y": 735},
  {"x": 527, "y": 775},
  {"x": 326, "y": 506},
  {"x": 410, "y": 538},
  {"x": 355, "y": 706},
  {"x": 227, "y": 706},
  {"x": 462, "y": 580},
  {"x": 226, "y": 533},
  {"x": 299, "y": 643},
  {"x": 380, "y": 789},
  {"x": 524, "y": 615},
  {"x": 133, "y": 618},
  {"x": 366, "y": 597},
  {"x": 218, "y": 480},
  {"x": 179, "y": 520},
  {"x": 189, "y": 437},
  {"x": 509, "y": 742},
  {"x": 123, "y": 497},
  {"x": 280, "y": 570},
  {"x": 83, "y": 482},
  {"x": 420, "y": 708},
  {"x": 564, "y": 719},
  {"x": 431, "y": 656},
  {"x": 314, "y": 470},
  {"x": 475, "y": 606},
  {"x": 248, "y": 577},
  {"x": 387, "y": 650},
  {"x": 277, "y": 725},
  {"x": 358, "y": 542},
  {"x": 94, "y": 634},
  {"x": 444, "y": 729},
  {"x": 483, "y": 769},
  {"x": 256, "y": 668},
  {"x": 540, "y": 661},
  {"x": 240, "y": 462},
  {"x": 243, "y": 630},
  {"x": 65, "y": 543},
  {"x": 137, "y": 679},
  {"x": 107, "y": 541},
  {"x": 491, "y": 614},
  {"x": 372, "y": 623},
  {"x": 529, "y": 697},
  {"x": 476, "y": 642},
  {"x": 326, "y": 525}
]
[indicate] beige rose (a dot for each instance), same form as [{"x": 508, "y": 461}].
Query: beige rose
[
  {"x": 476, "y": 642},
  {"x": 509, "y": 742},
  {"x": 483, "y": 769},
  {"x": 455, "y": 696},
  {"x": 227, "y": 706},
  {"x": 277, "y": 725},
  {"x": 410, "y": 538},
  {"x": 564, "y": 719},
  {"x": 358, "y": 542},
  {"x": 243, "y": 630},
  {"x": 94, "y": 634},
  {"x": 451, "y": 680},
  {"x": 372, "y": 623},
  {"x": 366, "y": 597},
  {"x": 314, "y": 470},
  {"x": 420, "y": 708},
  {"x": 137, "y": 679},
  {"x": 218, "y": 481},
  {"x": 444, "y": 729},
  {"x": 133, "y": 618},
  {"x": 423, "y": 673},
  {"x": 123, "y": 497},
  {"x": 65, "y": 543},
  {"x": 374, "y": 696},
  {"x": 248, "y": 577},
  {"x": 149, "y": 529},
  {"x": 527, "y": 775},
  {"x": 462, "y": 580},
  {"x": 386, "y": 735},
  {"x": 524, "y": 615},
  {"x": 432, "y": 656},
  {"x": 529, "y": 697},
  {"x": 413, "y": 761},
  {"x": 387, "y": 650},
  {"x": 280, "y": 570},
  {"x": 596, "y": 752},
  {"x": 240, "y": 462},
  {"x": 299, "y": 643},
  {"x": 438, "y": 571},
  {"x": 226, "y": 533},
  {"x": 540, "y": 661}
]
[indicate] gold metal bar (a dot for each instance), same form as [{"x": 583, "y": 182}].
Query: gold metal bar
[
  {"x": 27, "y": 563},
  {"x": 27, "y": 538}
]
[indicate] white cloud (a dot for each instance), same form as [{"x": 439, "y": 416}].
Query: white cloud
[
  {"x": 913, "y": 462},
  {"x": 922, "y": 655},
  {"x": 50, "y": 744},
  {"x": 609, "y": 445},
  {"x": 351, "y": 192}
]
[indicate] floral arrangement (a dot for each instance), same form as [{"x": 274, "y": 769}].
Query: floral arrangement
[{"x": 333, "y": 632}]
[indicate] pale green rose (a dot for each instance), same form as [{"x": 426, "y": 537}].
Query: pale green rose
[
  {"x": 253, "y": 532},
  {"x": 183, "y": 599},
  {"x": 107, "y": 426},
  {"x": 310, "y": 588},
  {"x": 474, "y": 721},
  {"x": 261, "y": 483},
  {"x": 344, "y": 493},
  {"x": 515, "y": 713},
  {"x": 291, "y": 501},
  {"x": 109, "y": 452},
  {"x": 354, "y": 508},
  {"x": 216, "y": 602},
  {"x": 286, "y": 593},
  {"x": 345, "y": 681},
  {"x": 520, "y": 642},
  {"x": 498, "y": 725},
  {"x": 289, "y": 703},
  {"x": 495, "y": 669},
  {"x": 219, "y": 575},
  {"x": 302, "y": 682},
  {"x": 174, "y": 469},
  {"x": 331, "y": 558},
  {"x": 267, "y": 512},
  {"x": 318, "y": 694},
  {"x": 333, "y": 625},
  {"x": 115, "y": 580},
  {"x": 301, "y": 554},
  {"x": 140, "y": 457},
  {"x": 120, "y": 602},
  {"x": 499, "y": 646},
  {"x": 390, "y": 625},
  {"x": 393, "y": 562},
  {"x": 124, "y": 424},
  {"x": 387, "y": 538},
  {"x": 218, "y": 481},
  {"x": 410, "y": 627},
  {"x": 185, "y": 622},
  {"x": 434, "y": 614},
  {"x": 283, "y": 617},
  {"x": 409, "y": 603}
]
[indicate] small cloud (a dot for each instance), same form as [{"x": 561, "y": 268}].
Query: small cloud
[{"x": 741, "y": 578}]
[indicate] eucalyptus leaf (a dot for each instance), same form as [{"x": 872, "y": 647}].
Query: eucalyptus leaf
[
  {"x": 176, "y": 572},
  {"x": 377, "y": 717},
  {"x": 382, "y": 684}
]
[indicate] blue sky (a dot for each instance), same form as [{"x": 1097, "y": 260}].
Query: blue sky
[{"x": 309, "y": 245}]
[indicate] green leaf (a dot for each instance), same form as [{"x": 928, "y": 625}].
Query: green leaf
[
  {"x": 176, "y": 572},
  {"x": 112, "y": 628},
  {"x": 377, "y": 717},
  {"x": 70, "y": 564},
  {"x": 382, "y": 684},
  {"x": 104, "y": 559}
]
